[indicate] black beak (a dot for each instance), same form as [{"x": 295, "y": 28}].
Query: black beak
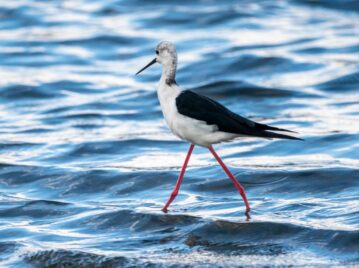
[{"x": 148, "y": 65}]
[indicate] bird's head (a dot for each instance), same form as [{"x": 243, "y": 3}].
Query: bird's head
[{"x": 165, "y": 54}]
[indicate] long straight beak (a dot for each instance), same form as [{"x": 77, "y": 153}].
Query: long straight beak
[{"x": 148, "y": 65}]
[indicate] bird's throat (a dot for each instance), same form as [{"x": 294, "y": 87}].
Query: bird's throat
[{"x": 169, "y": 73}]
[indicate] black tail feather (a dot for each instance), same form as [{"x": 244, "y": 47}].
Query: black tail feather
[
  {"x": 266, "y": 127},
  {"x": 268, "y": 134}
]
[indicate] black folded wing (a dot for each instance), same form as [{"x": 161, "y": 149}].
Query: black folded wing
[{"x": 213, "y": 113}]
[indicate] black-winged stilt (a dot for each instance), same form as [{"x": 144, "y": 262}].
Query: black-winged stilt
[{"x": 201, "y": 120}]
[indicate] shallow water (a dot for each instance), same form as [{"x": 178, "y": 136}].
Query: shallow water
[{"x": 87, "y": 161}]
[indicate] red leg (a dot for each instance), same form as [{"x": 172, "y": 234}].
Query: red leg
[
  {"x": 179, "y": 180},
  {"x": 236, "y": 183}
]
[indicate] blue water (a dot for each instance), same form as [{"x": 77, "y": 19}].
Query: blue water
[{"x": 87, "y": 161}]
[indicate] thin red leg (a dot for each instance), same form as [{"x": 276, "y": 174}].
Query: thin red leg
[
  {"x": 236, "y": 183},
  {"x": 179, "y": 180}
]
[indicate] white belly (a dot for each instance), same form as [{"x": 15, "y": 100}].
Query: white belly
[{"x": 192, "y": 130}]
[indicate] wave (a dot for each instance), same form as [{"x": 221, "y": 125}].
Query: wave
[
  {"x": 273, "y": 238},
  {"x": 348, "y": 82},
  {"x": 38, "y": 209},
  {"x": 72, "y": 258},
  {"x": 242, "y": 89}
]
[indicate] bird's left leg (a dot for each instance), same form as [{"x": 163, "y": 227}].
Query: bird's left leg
[
  {"x": 236, "y": 183},
  {"x": 179, "y": 180}
]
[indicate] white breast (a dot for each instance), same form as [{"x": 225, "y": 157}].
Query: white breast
[
  {"x": 167, "y": 96},
  {"x": 192, "y": 130}
]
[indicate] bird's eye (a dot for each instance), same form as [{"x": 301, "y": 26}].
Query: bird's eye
[{"x": 157, "y": 52}]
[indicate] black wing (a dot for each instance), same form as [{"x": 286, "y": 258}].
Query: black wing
[{"x": 213, "y": 113}]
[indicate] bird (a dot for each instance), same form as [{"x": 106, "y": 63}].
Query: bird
[{"x": 201, "y": 120}]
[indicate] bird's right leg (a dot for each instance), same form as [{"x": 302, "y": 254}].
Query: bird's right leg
[
  {"x": 179, "y": 180},
  {"x": 236, "y": 183}
]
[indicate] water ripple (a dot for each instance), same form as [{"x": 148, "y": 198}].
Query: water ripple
[{"x": 86, "y": 161}]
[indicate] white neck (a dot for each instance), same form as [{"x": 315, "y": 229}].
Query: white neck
[{"x": 169, "y": 71}]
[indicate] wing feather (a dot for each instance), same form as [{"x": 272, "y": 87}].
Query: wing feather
[{"x": 205, "y": 109}]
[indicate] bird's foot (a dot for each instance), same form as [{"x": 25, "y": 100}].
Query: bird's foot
[
  {"x": 164, "y": 210},
  {"x": 247, "y": 215}
]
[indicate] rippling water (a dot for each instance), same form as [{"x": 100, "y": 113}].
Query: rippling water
[{"x": 87, "y": 162}]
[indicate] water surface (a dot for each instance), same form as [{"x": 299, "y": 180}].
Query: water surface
[{"x": 87, "y": 162}]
